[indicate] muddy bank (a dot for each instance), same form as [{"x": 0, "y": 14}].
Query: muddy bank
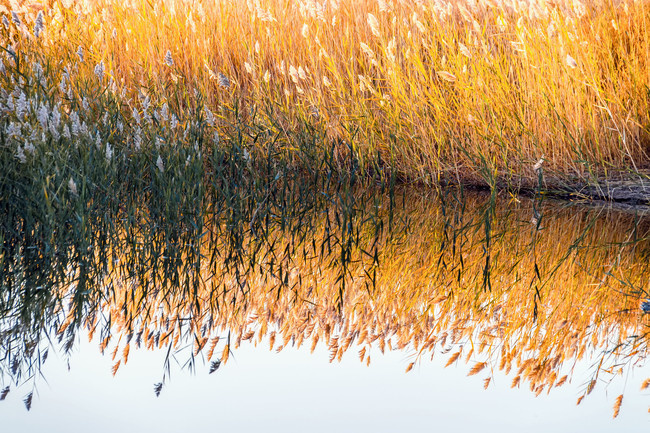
[{"x": 621, "y": 190}]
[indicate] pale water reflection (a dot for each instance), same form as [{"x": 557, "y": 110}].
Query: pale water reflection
[
  {"x": 293, "y": 391},
  {"x": 527, "y": 298}
]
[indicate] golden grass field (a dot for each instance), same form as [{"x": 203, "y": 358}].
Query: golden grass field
[{"x": 463, "y": 91}]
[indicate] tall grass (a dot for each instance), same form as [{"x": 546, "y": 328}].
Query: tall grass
[
  {"x": 437, "y": 91},
  {"x": 170, "y": 169}
]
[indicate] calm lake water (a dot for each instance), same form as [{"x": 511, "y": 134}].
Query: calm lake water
[{"x": 410, "y": 311}]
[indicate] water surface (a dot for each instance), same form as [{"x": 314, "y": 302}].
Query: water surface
[{"x": 352, "y": 311}]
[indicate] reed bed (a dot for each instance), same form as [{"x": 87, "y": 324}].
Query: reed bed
[
  {"x": 470, "y": 91},
  {"x": 171, "y": 170}
]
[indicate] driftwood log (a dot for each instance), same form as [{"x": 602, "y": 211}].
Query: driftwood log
[
  {"x": 631, "y": 191},
  {"x": 625, "y": 191}
]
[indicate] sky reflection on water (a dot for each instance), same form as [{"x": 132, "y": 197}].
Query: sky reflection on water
[
  {"x": 294, "y": 391},
  {"x": 522, "y": 308}
]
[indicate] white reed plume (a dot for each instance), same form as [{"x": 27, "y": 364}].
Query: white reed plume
[
  {"x": 137, "y": 138},
  {"x": 135, "y": 115},
  {"x": 571, "y": 62},
  {"x": 446, "y": 76},
  {"x": 164, "y": 112},
  {"x": 502, "y": 24},
  {"x": 293, "y": 73},
  {"x": 42, "y": 116},
  {"x": 10, "y": 102},
  {"x": 383, "y": 6},
  {"x": 76, "y": 125},
  {"x": 374, "y": 25},
  {"x": 366, "y": 49},
  {"x": 168, "y": 58},
  {"x": 264, "y": 16},
  {"x": 418, "y": 23},
  {"x": 80, "y": 53},
  {"x": 99, "y": 70},
  {"x": 160, "y": 164},
  {"x": 13, "y": 130},
  {"x": 145, "y": 102},
  {"x": 55, "y": 117},
  {"x": 21, "y": 105},
  {"x": 20, "y": 154},
  {"x": 211, "y": 73},
  {"x": 11, "y": 52},
  {"x": 579, "y": 9},
  {"x": 15, "y": 19},
  {"x": 209, "y": 117},
  {"x": 223, "y": 81},
  {"x": 464, "y": 50},
  {"x": 38, "y": 26},
  {"x": 72, "y": 186}
]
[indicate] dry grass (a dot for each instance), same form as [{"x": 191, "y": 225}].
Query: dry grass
[
  {"x": 122, "y": 96},
  {"x": 466, "y": 91}
]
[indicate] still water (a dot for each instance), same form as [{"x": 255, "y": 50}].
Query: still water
[{"x": 456, "y": 311}]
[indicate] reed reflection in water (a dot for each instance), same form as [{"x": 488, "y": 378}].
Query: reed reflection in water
[{"x": 523, "y": 287}]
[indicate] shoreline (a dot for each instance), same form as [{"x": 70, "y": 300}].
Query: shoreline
[{"x": 624, "y": 191}]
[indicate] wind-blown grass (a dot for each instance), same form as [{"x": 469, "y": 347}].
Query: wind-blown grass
[{"x": 464, "y": 91}]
